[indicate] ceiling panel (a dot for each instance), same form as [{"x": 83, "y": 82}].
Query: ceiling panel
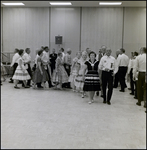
[{"x": 77, "y": 4}]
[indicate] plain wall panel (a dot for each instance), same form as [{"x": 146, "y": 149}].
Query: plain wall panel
[
  {"x": 66, "y": 23},
  {"x": 25, "y": 27},
  {"x": 102, "y": 26},
  {"x": 134, "y": 29}
]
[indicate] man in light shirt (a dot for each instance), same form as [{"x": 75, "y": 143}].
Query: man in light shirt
[
  {"x": 130, "y": 73},
  {"x": 116, "y": 78},
  {"x": 123, "y": 61},
  {"x": 140, "y": 65},
  {"x": 109, "y": 69},
  {"x": 101, "y": 54},
  {"x": 27, "y": 60},
  {"x": 14, "y": 63},
  {"x": 46, "y": 62}
]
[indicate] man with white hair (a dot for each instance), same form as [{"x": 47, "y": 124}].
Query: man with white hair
[
  {"x": 101, "y": 54},
  {"x": 109, "y": 69}
]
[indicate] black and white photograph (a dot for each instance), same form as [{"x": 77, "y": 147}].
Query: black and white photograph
[{"x": 73, "y": 74}]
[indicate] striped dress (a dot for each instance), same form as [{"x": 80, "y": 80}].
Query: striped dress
[
  {"x": 92, "y": 81},
  {"x": 19, "y": 74}
]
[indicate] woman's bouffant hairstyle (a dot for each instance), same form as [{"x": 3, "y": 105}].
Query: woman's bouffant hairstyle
[
  {"x": 92, "y": 52},
  {"x": 40, "y": 52},
  {"x": 20, "y": 52}
]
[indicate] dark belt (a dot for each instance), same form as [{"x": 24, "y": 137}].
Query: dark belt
[{"x": 108, "y": 71}]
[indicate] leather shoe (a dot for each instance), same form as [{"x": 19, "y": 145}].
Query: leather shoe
[
  {"x": 139, "y": 104},
  {"x": 104, "y": 102},
  {"x": 40, "y": 86},
  {"x": 26, "y": 87},
  {"x": 121, "y": 90},
  {"x": 16, "y": 87},
  {"x": 135, "y": 97},
  {"x": 114, "y": 86},
  {"x": 101, "y": 95},
  {"x": 131, "y": 93},
  {"x": 10, "y": 81},
  {"x": 108, "y": 103}
]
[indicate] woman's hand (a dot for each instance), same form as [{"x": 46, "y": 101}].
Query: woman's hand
[{"x": 41, "y": 72}]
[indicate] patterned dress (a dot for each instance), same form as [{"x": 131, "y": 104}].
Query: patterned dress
[
  {"x": 37, "y": 76},
  {"x": 92, "y": 81},
  {"x": 74, "y": 70},
  {"x": 79, "y": 82},
  {"x": 62, "y": 74},
  {"x": 19, "y": 74}
]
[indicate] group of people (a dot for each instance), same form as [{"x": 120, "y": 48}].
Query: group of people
[{"x": 87, "y": 72}]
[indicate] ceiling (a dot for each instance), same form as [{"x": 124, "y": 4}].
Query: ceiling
[{"x": 76, "y": 4}]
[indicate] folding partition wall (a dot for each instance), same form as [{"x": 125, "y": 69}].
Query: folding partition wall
[{"x": 79, "y": 27}]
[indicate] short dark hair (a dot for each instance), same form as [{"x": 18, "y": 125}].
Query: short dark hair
[
  {"x": 20, "y": 52},
  {"x": 27, "y": 49},
  {"x": 135, "y": 53},
  {"x": 40, "y": 52},
  {"x": 45, "y": 47},
  {"x": 62, "y": 49},
  {"x": 144, "y": 49},
  {"x": 92, "y": 52},
  {"x": 16, "y": 50},
  {"x": 123, "y": 50}
]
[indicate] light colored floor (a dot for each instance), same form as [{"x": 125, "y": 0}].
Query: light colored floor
[{"x": 46, "y": 119}]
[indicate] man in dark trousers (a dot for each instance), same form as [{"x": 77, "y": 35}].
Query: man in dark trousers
[
  {"x": 109, "y": 68},
  {"x": 140, "y": 66},
  {"x": 14, "y": 63},
  {"x": 116, "y": 78},
  {"x": 123, "y": 62},
  {"x": 53, "y": 58},
  {"x": 27, "y": 60},
  {"x": 46, "y": 64}
]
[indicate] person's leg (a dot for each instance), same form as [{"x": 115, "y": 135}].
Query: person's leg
[
  {"x": 30, "y": 73},
  {"x": 144, "y": 95},
  {"x": 16, "y": 82},
  {"x": 14, "y": 68},
  {"x": 125, "y": 72},
  {"x": 116, "y": 80},
  {"x": 140, "y": 89},
  {"x": 122, "y": 78},
  {"x": 25, "y": 84},
  {"x": 91, "y": 95},
  {"x": 104, "y": 85},
  {"x": 131, "y": 82},
  {"x": 110, "y": 88}
]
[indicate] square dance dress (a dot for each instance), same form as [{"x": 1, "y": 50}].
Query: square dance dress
[
  {"x": 19, "y": 74},
  {"x": 92, "y": 80}
]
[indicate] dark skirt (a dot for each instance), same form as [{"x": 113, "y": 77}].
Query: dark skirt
[
  {"x": 92, "y": 81},
  {"x": 37, "y": 77}
]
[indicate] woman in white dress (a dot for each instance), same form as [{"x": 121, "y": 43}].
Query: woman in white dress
[
  {"x": 79, "y": 81},
  {"x": 73, "y": 72},
  {"x": 21, "y": 73}
]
